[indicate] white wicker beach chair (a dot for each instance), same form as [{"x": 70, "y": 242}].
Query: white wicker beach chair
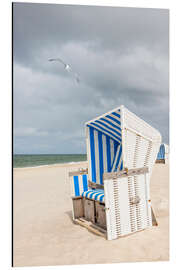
[
  {"x": 163, "y": 154},
  {"x": 121, "y": 151}
]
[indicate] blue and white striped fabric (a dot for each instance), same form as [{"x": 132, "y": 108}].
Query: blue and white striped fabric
[
  {"x": 109, "y": 124},
  {"x": 117, "y": 162},
  {"x": 79, "y": 184},
  {"x": 80, "y": 188},
  {"x": 161, "y": 153},
  {"x": 104, "y": 145},
  {"x": 95, "y": 194}
]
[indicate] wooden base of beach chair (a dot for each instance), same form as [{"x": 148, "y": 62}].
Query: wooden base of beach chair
[
  {"x": 89, "y": 210},
  {"x": 78, "y": 207},
  {"x": 90, "y": 214},
  {"x": 94, "y": 211},
  {"x": 91, "y": 226},
  {"x": 162, "y": 161},
  {"x": 100, "y": 214}
]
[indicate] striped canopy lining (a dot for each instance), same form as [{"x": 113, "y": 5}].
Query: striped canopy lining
[
  {"x": 105, "y": 146},
  {"x": 161, "y": 153}
]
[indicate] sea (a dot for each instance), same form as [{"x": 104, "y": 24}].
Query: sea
[{"x": 22, "y": 161}]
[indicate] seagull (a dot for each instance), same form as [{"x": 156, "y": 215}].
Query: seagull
[{"x": 66, "y": 67}]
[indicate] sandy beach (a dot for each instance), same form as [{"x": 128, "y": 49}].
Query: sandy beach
[{"x": 44, "y": 233}]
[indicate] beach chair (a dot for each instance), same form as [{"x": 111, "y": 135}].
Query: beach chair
[
  {"x": 163, "y": 154},
  {"x": 121, "y": 152}
]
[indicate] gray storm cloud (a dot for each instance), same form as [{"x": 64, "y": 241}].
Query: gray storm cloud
[{"x": 121, "y": 54}]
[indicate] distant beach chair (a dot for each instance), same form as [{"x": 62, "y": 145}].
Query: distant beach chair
[
  {"x": 163, "y": 154},
  {"x": 121, "y": 152}
]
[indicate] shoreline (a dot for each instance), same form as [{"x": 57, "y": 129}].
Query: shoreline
[{"x": 72, "y": 163}]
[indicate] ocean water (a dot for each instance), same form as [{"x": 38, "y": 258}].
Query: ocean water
[{"x": 21, "y": 161}]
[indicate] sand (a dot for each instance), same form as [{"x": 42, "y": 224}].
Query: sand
[{"x": 44, "y": 233}]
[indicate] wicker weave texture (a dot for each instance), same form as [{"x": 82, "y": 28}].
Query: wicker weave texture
[
  {"x": 139, "y": 126},
  {"x": 141, "y": 142},
  {"x": 128, "y": 208}
]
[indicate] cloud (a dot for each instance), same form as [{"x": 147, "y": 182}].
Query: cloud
[{"x": 120, "y": 54}]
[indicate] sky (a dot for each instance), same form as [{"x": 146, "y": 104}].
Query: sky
[{"x": 120, "y": 54}]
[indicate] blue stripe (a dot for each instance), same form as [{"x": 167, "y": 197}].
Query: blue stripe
[
  {"x": 118, "y": 159},
  {"x": 94, "y": 192},
  {"x": 161, "y": 154},
  {"x": 85, "y": 184},
  {"x": 96, "y": 196},
  {"x": 115, "y": 147},
  {"x": 92, "y": 148},
  {"x": 110, "y": 133},
  {"x": 86, "y": 193},
  {"x": 101, "y": 198},
  {"x": 116, "y": 114},
  {"x": 112, "y": 129},
  {"x": 113, "y": 161},
  {"x": 98, "y": 193},
  {"x": 113, "y": 119},
  {"x": 115, "y": 151},
  {"x": 108, "y": 150},
  {"x": 121, "y": 166},
  {"x": 101, "y": 167},
  {"x": 76, "y": 186},
  {"x": 91, "y": 194},
  {"x": 110, "y": 123}
]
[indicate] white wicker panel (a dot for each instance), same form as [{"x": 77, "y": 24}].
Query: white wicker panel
[
  {"x": 129, "y": 149},
  {"x": 133, "y": 122},
  {"x": 110, "y": 210},
  {"x": 144, "y": 151},
  {"x": 122, "y": 216},
  {"x": 135, "y": 149},
  {"x": 153, "y": 155},
  {"x": 140, "y": 152},
  {"x": 124, "y": 226},
  {"x": 144, "y": 206},
  {"x": 132, "y": 209}
]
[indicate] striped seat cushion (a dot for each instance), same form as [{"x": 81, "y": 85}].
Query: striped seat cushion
[{"x": 94, "y": 194}]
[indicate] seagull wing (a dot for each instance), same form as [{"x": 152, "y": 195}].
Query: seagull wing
[
  {"x": 66, "y": 67},
  {"x": 59, "y": 60},
  {"x": 77, "y": 77},
  {"x": 69, "y": 69}
]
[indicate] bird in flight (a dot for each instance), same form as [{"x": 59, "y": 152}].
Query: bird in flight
[{"x": 66, "y": 67}]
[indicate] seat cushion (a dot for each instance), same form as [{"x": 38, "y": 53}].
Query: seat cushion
[{"x": 94, "y": 194}]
